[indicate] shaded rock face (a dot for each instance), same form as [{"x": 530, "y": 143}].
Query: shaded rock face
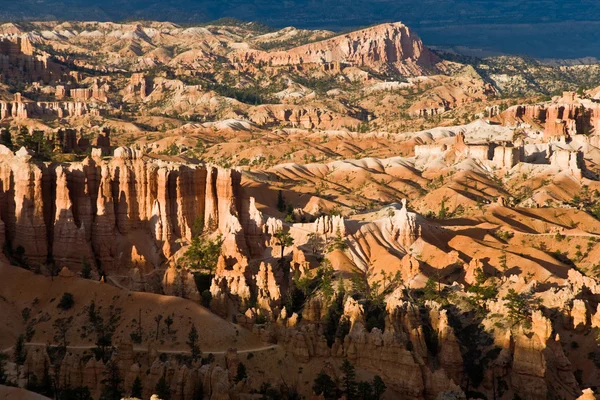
[
  {"x": 387, "y": 45},
  {"x": 18, "y": 62},
  {"x": 68, "y": 140},
  {"x": 181, "y": 378},
  {"x": 110, "y": 211},
  {"x": 569, "y": 117},
  {"x": 399, "y": 353}
]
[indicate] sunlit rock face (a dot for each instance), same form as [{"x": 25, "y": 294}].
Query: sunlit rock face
[{"x": 112, "y": 212}]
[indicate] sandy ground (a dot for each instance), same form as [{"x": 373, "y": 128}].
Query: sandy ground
[
  {"x": 22, "y": 289},
  {"x": 12, "y": 393}
]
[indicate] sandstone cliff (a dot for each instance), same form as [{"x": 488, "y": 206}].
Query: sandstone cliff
[
  {"x": 106, "y": 211},
  {"x": 387, "y": 45}
]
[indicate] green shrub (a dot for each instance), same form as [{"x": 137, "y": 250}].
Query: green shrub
[{"x": 66, "y": 302}]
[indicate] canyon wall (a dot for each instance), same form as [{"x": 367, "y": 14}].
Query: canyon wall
[
  {"x": 393, "y": 45},
  {"x": 61, "y": 109},
  {"x": 18, "y": 62},
  {"x": 110, "y": 212},
  {"x": 559, "y": 120}
]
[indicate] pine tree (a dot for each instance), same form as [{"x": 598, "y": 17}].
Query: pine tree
[
  {"x": 136, "y": 388},
  {"x": 162, "y": 389},
  {"x": 280, "y": 202},
  {"x": 349, "y": 380},
  {"x": 112, "y": 389},
  {"x": 341, "y": 288},
  {"x": 62, "y": 327},
  {"x": 193, "y": 343},
  {"x": 78, "y": 393},
  {"x": 324, "y": 385},
  {"x": 157, "y": 319},
  {"x": 378, "y": 387},
  {"x": 169, "y": 322},
  {"x": 284, "y": 239},
  {"x": 326, "y": 274},
  {"x": 339, "y": 243},
  {"x": 20, "y": 350},
  {"x": 241, "y": 373},
  {"x": 3, "y": 358},
  {"x": 364, "y": 391},
  {"x": 86, "y": 269},
  {"x": 518, "y": 308},
  {"x": 430, "y": 290}
]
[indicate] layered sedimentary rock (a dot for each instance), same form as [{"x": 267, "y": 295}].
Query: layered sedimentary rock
[
  {"x": 569, "y": 161},
  {"x": 300, "y": 116},
  {"x": 138, "y": 86},
  {"x": 231, "y": 287},
  {"x": 393, "y": 45},
  {"x": 181, "y": 378},
  {"x": 501, "y": 155},
  {"x": 60, "y": 109},
  {"x": 386, "y": 353},
  {"x": 17, "y": 61},
  {"x": 567, "y": 117},
  {"x": 330, "y": 225},
  {"x": 579, "y": 314},
  {"x": 95, "y": 92},
  {"x": 404, "y": 226},
  {"x": 105, "y": 211}
]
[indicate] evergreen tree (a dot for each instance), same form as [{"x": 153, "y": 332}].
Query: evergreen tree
[
  {"x": 378, "y": 387},
  {"x": 20, "y": 350},
  {"x": 157, "y": 319},
  {"x": 325, "y": 274},
  {"x": 203, "y": 253},
  {"x": 112, "y": 389},
  {"x": 169, "y": 322},
  {"x": 136, "y": 388},
  {"x": 3, "y": 358},
  {"x": 62, "y": 327},
  {"x": 241, "y": 373},
  {"x": 324, "y": 385},
  {"x": 86, "y": 269},
  {"x": 349, "y": 386},
  {"x": 482, "y": 290},
  {"x": 280, "y": 202},
  {"x": 430, "y": 291},
  {"x": 66, "y": 301},
  {"x": 341, "y": 288},
  {"x": 364, "y": 391},
  {"x": 162, "y": 389},
  {"x": 284, "y": 239},
  {"x": 316, "y": 242},
  {"x": 78, "y": 393},
  {"x": 520, "y": 306},
  {"x": 193, "y": 343},
  {"x": 339, "y": 243}
]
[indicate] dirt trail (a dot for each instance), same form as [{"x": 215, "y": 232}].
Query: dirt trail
[{"x": 141, "y": 349}]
